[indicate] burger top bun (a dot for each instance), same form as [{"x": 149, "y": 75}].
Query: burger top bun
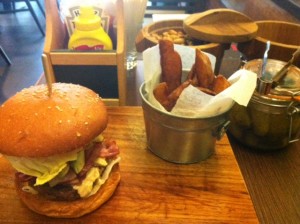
[{"x": 34, "y": 124}]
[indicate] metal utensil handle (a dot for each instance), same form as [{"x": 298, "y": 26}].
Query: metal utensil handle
[
  {"x": 222, "y": 130},
  {"x": 282, "y": 72},
  {"x": 292, "y": 111},
  {"x": 265, "y": 59}
]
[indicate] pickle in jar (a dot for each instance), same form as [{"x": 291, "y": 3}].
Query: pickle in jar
[
  {"x": 260, "y": 122},
  {"x": 239, "y": 116}
]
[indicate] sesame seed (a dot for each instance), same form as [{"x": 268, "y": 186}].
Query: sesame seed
[
  {"x": 78, "y": 134},
  {"x": 86, "y": 123},
  {"x": 58, "y": 108}
]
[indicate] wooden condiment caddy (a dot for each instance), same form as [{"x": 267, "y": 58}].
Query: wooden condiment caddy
[{"x": 95, "y": 69}]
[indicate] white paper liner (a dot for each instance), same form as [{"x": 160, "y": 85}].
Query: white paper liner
[{"x": 193, "y": 103}]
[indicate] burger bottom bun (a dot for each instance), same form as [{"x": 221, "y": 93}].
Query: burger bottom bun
[{"x": 71, "y": 209}]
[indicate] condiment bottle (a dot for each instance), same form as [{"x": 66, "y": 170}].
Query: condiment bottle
[{"x": 88, "y": 33}]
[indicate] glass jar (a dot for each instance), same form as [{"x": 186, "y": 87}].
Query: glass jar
[{"x": 269, "y": 122}]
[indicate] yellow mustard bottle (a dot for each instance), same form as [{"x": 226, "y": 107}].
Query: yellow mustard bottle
[{"x": 88, "y": 33}]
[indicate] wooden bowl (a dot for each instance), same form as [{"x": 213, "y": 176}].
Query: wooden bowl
[
  {"x": 144, "y": 39},
  {"x": 284, "y": 37}
]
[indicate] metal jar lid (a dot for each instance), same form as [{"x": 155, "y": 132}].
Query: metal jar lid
[{"x": 287, "y": 89}]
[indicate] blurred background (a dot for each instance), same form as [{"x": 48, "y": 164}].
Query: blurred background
[{"x": 23, "y": 41}]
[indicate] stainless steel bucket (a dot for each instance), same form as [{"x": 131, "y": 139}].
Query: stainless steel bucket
[{"x": 178, "y": 139}]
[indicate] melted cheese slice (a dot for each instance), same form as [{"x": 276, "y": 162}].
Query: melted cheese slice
[{"x": 93, "y": 181}]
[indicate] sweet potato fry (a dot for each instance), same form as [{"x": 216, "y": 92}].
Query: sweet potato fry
[
  {"x": 173, "y": 97},
  {"x": 220, "y": 83},
  {"x": 192, "y": 76},
  {"x": 160, "y": 93},
  {"x": 206, "y": 90},
  {"x": 171, "y": 65},
  {"x": 203, "y": 69},
  {"x": 168, "y": 101}
]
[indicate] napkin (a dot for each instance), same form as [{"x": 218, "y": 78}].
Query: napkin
[{"x": 193, "y": 103}]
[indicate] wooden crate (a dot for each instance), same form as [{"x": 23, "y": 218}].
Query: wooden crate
[{"x": 102, "y": 71}]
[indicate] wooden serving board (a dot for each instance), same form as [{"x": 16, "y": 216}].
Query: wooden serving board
[
  {"x": 220, "y": 26},
  {"x": 152, "y": 190}
]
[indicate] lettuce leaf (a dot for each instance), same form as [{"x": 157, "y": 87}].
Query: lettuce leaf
[
  {"x": 43, "y": 168},
  {"x": 78, "y": 164}
]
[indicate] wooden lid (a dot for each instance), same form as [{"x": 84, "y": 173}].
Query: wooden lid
[{"x": 221, "y": 26}]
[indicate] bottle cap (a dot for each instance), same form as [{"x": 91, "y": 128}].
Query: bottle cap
[{"x": 87, "y": 19}]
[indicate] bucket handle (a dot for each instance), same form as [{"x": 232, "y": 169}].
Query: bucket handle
[
  {"x": 222, "y": 129},
  {"x": 291, "y": 111}
]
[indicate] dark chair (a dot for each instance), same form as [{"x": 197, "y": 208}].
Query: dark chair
[
  {"x": 4, "y": 55},
  {"x": 9, "y": 6}
]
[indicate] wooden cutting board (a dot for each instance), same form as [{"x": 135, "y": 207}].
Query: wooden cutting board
[
  {"x": 152, "y": 190},
  {"x": 220, "y": 26}
]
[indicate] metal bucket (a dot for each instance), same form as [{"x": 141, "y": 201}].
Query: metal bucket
[{"x": 178, "y": 139}]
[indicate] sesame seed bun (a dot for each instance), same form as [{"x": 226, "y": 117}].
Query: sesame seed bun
[{"x": 34, "y": 124}]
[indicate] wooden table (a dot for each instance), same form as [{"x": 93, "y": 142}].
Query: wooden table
[
  {"x": 153, "y": 190},
  {"x": 273, "y": 180}
]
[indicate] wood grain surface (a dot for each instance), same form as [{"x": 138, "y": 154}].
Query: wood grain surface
[
  {"x": 273, "y": 181},
  {"x": 152, "y": 190},
  {"x": 220, "y": 26}
]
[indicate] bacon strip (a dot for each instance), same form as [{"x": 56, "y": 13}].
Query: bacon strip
[
  {"x": 107, "y": 149},
  {"x": 21, "y": 177}
]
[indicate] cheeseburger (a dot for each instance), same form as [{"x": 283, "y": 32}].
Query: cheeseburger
[{"x": 64, "y": 167}]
